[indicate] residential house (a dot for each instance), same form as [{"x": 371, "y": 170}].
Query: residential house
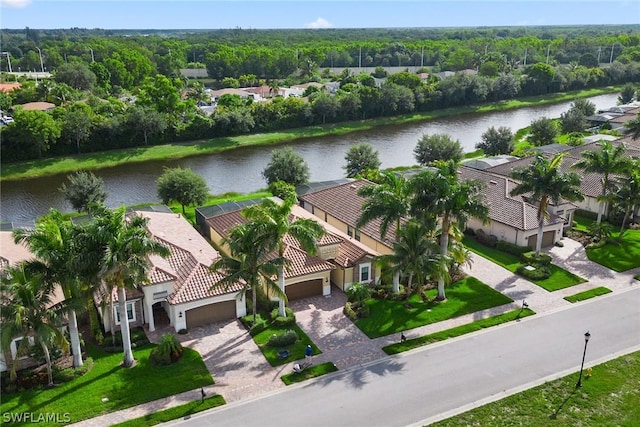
[
  {"x": 340, "y": 260},
  {"x": 512, "y": 218},
  {"x": 12, "y": 254},
  {"x": 181, "y": 289},
  {"x": 340, "y": 206}
]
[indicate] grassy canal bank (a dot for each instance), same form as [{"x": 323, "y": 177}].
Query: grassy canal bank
[{"x": 37, "y": 168}]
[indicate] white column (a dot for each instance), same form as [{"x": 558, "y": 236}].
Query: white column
[{"x": 148, "y": 308}]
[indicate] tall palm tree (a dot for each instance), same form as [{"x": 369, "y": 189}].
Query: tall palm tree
[
  {"x": 272, "y": 221},
  {"x": 544, "y": 182},
  {"x": 606, "y": 161},
  {"x": 53, "y": 241},
  {"x": 628, "y": 194},
  {"x": 415, "y": 253},
  {"x": 127, "y": 245},
  {"x": 248, "y": 264},
  {"x": 28, "y": 311},
  {"x": 388, "y": 201},
  {"x": 441, "y": 195}
]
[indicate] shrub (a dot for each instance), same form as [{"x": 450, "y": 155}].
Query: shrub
[
  {"x": 541, "y": 272},
  {"x": 349, "y": 312},
  {"x": 283, "y": 339},
  {"x": 169, "y": 350},
  {"x": 288, "y": 319},
  {"x": 487, "y": 240},
  {"x": 511, "y": 248},
  {"x": 531, "y": 258},
  {"x": 358, "y": 292},
  {"x": 364, "y": 311},
  {"x": 259, "y": 325}
]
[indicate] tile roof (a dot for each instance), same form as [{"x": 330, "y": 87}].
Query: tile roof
[
  {"x": 302, "y": 263},
  {"x": 343, "y": 202},
  {"x": 504, "y": 208},
  {"x": 349, "y": 253}
]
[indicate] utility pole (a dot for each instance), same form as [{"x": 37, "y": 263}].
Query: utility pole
[
  {"x": 599, "y": 51},
  {"x": 525, "y": 56},
  {"x": 611, "y": 58},
  {"x": 92, "y": 58},
  {"x": 42, "y": 64},
  {"x": 8, "y": 60},
  {"x": 422, "y": 58},
  {"x": 548, "y": 50},
  {"x": 360, "y": 58}
]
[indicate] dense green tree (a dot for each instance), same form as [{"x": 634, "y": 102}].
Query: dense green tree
[
  {"x": 405, "y": 78},
  {"x": 627, "y": 94},
  {"x": 431, "y": 148},
  {"x": 361, "y": 157},
  {"x": 183, "y": 186},
  {"x": 324, "y": 105},
  {"x": 442, "y": 195},
  {"x": 127, "y": 245},
  {"x": 248, "y": 265},
  {"x": 544, "y": 182},
  {"x": 628, "y": 192},
  {"x": 161, "y": 94},
  {"x": 543, "y": 131},
  {"x": 147, "y": 121},
  {"x": 28, "y": 311},
  {"x": 77, "y": 75},
  {"x": 83, "y": 190},
  {"x": 606, "y": 160},
  {"x": 285, "y": 165},
  {"x": 496, "y": 141},
  {"x": 55, "y": 244},
  {"x": 272, "y": 222},
  {"x": 37, "y": 129},
  {"x": 573, "y": 121},
  {"x": 78, "y": 124},
  {"x": 587, "y": 107}
]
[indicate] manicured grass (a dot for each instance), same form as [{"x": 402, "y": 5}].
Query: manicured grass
[
  {"x": 457, "y": 331},
  {"x": 181, "y": 411},
  {"x": 608, "y": 398},
  {"x": 34, "y": 168},
  {"x": 190, "y": 211},
  {"x": 618, "y": 256},
  {"x": 637, "y": 277},
  {"x": 601, "y": 290},
  {"x": 559, "y": 278},
  {"x": 582, "y": 223},
  {"x": 296, "y": 351},
  {"x": 82, "y": 397},
  {"x": 308, "y": 373},
  {"x": 466, "y": 296}
]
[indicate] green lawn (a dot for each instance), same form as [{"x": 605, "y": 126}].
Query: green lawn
[
  {"x": 591, "y": 293},
  {"x": 190, "y": 211},
  {"x": 559, "y": 278},
  {"x": 610, "y": 397},
  {"x": 621, "y": 256},
  {"x": 466, "y": 296},
  {"x": 582, "y": 223},
  {"x": 308, "y": 373},
  {"x": 296, "y": 351},
  {"x": 457, "y": 331},
  {"x": 82, "y": 397},
  {"x": 180, "y": 411}
]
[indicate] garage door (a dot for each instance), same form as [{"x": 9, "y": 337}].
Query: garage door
[
  {"x": 211, "y": 313},
  {"x": 310, "y": 288},
  {"x": 547, "y": 239}
]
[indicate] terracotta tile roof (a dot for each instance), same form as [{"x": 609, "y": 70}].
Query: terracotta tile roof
[
  {"x": 349, "y": 254},
  {"x": 504, "y": 208},
  {"x": 11, "y": 252},
  {"x": 302, "y": 263},
  {"x": 343, "y": 202},
  {"x": 41, "y": 106},
  {"x": 8, "y": 87}
]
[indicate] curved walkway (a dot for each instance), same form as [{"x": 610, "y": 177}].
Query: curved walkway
[{"x": 241, "y": 372}]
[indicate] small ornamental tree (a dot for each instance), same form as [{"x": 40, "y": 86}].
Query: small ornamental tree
[
  {"x": 543, "y": 131},
  {"x": 361, "y": 157},
  {"x": 83, "y": 189},
  {"x": 435, "y": 147},
  {"x": 285, "y": 165},
  {"x": 183, "y": 186},
  {"x": 496, "y": 141}
]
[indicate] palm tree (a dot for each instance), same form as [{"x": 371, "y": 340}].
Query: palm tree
[
  {"x": 248, "y": 264},
  {"x": 442, "y": 195},
  {"x": 54, "y": 243},
  {"x": 546, "y": 183},
  {"x": 127, "y": 245},
  {"x": 634, "y": 127},
  {"x": 272, "y": 220},
  {"x": 415, "y": 253},
  {"x": 606, "y": 161},
  {"x": 28, "y": 311},
  {"x": 388, "y": 201},
  {"x": 628, "y": 194}
]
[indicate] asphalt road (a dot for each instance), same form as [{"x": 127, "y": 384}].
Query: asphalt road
[{"x": 426, "y": 384}]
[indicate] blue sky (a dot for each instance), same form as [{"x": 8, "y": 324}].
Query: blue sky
[{"x": 213, "y": 14}]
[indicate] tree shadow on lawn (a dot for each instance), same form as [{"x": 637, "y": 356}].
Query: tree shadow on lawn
[{"x": 564, "y": 402}]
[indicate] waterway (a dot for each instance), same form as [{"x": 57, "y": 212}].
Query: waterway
[{"x": 240, "y": 170}]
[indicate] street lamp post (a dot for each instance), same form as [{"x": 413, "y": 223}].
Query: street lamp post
[
  {"x": 41, "y": 63},
  {"x": 586, "y": 341}
]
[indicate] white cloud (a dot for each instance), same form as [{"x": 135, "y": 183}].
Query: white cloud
[
  {"x": 15, "y": 3},
  {"x": 319, "y": 23}
]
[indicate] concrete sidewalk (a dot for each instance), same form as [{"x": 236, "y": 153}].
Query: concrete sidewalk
[{"x": 242, "y": 373}]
